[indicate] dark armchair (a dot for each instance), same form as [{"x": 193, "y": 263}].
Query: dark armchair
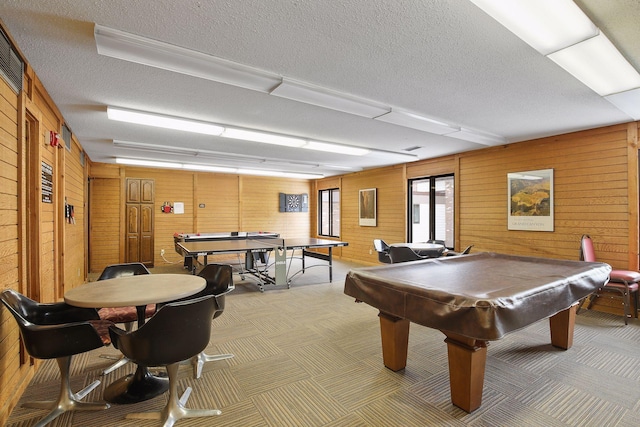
[
  {"x": 58, "y": 331},
  {"x": 219, "y": 279},
  {"x": 382, "y": 248},
  {"x": 126, "y": 315},
  {"x": 178, "y": 331},
  {"x": 404, "y": 254}
]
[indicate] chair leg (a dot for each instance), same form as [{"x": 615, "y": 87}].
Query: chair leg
[
  {"x": 175, "y": 408},
  {"x": 67, "y": 401},
  {"x": 120, "y": 360},
  {"x": 198, "y": 361},
  {"x": 627, "y": 304}
]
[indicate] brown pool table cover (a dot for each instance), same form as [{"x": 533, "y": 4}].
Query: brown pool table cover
[{"x": 481, "y": 296}]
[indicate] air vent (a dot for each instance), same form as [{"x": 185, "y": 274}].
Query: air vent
[
  {"x": 414, "y": 148},
  {"x": 66, "y": 136},
  {"x": 11, "y": 66}
]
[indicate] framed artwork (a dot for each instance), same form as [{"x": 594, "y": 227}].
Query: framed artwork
[
  {"x": 367, "y": 207},
  {"x": 530, "y": 200}
]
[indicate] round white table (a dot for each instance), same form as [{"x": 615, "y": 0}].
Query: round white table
[{"x": 135, "y": 291}]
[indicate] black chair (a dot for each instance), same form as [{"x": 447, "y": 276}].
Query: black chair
[
  {"x": 219, "y": 279},
  {"x": 383, "y": 250},
  {"x": 404, "y": 254},
  {"x": 464, "y": 252},
  {"x": 58, "y": 331},
  {"x": 178, "y": 331},
  {"x": 126, "y": 315}
]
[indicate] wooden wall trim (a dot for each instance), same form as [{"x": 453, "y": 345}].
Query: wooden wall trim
[
  {"x": 456, "y": 203},
  {"x": 632, "y": 173},
  {"x": 123, "y": 214}
]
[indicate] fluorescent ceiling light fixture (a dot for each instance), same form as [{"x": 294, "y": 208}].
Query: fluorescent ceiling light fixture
[
  {"x": 279, "y": 174},
  {"x": 267, "y": 138},
  {"x": 546, "y": 25},
  {"x": 327, "y": 98},
  {"x": 478, "y": 137},
  {"x": 599, "y": 65},
  {"x": 340, "y": 167},
  {"x": 155, "y": 148},
  {"x": 207, "y": 168},
  {"x": 415, "y": 121},
  {"x": 162, "y": 121},
  {"x": 149, "y": 163},
  {"x": 197, "y": 167},
  {"x": 628, "y": 101},
  {"x": 219, "y": 156},
  {"x": 335, "y": 148},
  {"x": 154, "y": 53}
]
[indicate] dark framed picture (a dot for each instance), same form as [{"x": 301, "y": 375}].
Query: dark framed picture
[{"x": 367, "y": 207}]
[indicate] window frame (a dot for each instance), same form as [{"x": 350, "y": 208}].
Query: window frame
[
  {"x": 332, "y": 192},
  {"x": 411, "y": 209}
]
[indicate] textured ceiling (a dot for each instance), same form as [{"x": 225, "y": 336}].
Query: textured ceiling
[{"x": 444, "y": 59}]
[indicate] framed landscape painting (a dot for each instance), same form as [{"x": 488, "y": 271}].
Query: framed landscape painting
[{"x": 530, "y": 200}]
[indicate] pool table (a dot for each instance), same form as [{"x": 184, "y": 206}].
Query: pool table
[{"x": 473, "y": 299}]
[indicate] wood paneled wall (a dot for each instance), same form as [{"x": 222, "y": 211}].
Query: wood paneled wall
[
  {"x": 75, "y": 187},
  {"x": 229, "y": 203},
  {"x": 391, "y": 198},
  {"x": 592, "y": 195},
  {"x": 13, "y": 375},
  {"x": 595, "y": 192},
  {"x": 41, "y": 253}
]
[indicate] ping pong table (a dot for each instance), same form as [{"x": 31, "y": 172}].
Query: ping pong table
[
  {"x": 229, "y": 235},
  {"x": 262, "y": 247}
]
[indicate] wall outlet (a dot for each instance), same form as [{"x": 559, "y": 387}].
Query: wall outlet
[
  {"x": 161, "y": 252},
  {"x": 370, "y": 251}
]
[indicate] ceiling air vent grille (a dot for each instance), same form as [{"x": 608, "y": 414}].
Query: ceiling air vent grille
[{"x": 11, "y": 66}]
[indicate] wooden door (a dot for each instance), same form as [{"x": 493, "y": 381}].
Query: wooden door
[{"x": 139, "y": 221}]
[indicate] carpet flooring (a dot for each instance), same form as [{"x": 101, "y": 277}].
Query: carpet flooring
[{"x": 309, "y": 356}]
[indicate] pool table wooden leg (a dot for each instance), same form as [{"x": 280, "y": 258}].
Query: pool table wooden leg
[
  {"x": 562, "y": 325},
  {"x": 467, "y": 360},
  {"x": 395, "y": 341}
]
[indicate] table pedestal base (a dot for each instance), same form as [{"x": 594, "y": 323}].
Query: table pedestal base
[
  {"x": 136, "y": 387},
  {"x": 467, "y": 356}
]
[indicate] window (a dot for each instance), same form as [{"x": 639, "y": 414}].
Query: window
[
  {"x": 329, "y": 212},
  {"x": 431, "y": 209}
]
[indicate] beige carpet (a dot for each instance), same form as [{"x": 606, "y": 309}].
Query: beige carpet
[{"x": 311, "y": 356}]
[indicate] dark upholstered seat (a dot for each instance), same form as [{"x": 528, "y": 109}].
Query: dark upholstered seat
[
  {"x": 219, "y": 279},
  {"x": 382, "y": 248},
  {"x": 178, "y": 331},
  {"x": 58, "y": 331},
  {"x": 126, "y": 315},
  {"x": 403, "y": 254},
  {"x": 623, "y": 282}
]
